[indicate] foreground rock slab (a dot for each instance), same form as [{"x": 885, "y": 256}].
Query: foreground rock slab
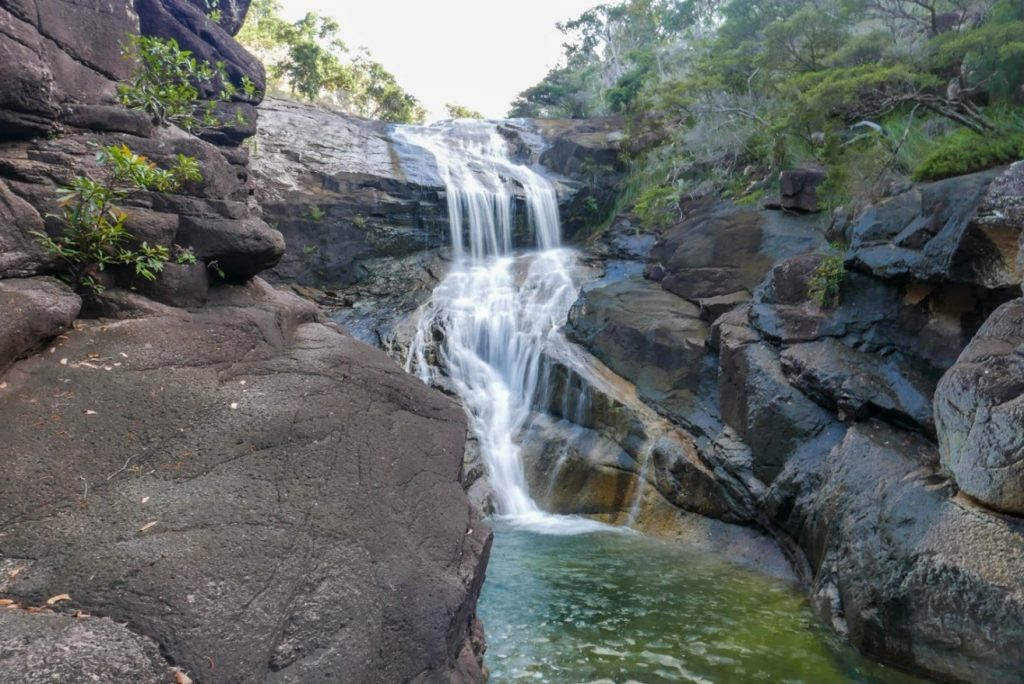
[{"x": 262, "y": 495}]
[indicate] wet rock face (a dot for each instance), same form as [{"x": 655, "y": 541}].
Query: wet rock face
[
  {"x": 342, "y": 192},
  {"x": 231, "y": 498},
  {"x": 649, "y": 336},
  {"x": 914, "y": 575},
  {"x": 979, "y": 409},
  {"x": 345, "y": 190}
]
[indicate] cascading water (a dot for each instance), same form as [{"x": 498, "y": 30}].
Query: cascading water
[{"x": 497, "y": 312}]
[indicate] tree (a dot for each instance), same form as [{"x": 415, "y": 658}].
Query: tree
[
  {"x": 308, "y": 59},
  {"x": 460, "y": 112}
]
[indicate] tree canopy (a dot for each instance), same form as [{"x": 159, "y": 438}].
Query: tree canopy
[
  {"x": 307, "y": 59},
  {"x": 718, "y": 92}
]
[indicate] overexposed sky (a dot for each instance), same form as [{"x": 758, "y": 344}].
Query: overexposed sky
[{"x": 477, "y": 53}]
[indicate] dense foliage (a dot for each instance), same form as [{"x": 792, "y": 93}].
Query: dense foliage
[
  {"x": 307, "y": 59},
  {"x": 720, "y": 95},
  {"x": 166, "y": 81},
  {"x": 94, "y": 233}
]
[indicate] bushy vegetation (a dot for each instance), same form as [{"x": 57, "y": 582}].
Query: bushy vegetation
[
  {"x": 965, "y": 151},
  {"x": 95, "y": 235},
  {"x": 306, "y": 59},
  {"x": 826, "y": 282},
  {"x": 721, "y": 95},
  {"x": 166, "y": 81}
]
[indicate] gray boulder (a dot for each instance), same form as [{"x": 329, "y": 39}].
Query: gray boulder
[
  {"x": 979, "y": 410},
  {"x": 961, "y": 230},
  {"x": 911, "y": 574},
  {"x": 718, "y": 248},
  {"x": 254, "y": 490},
  {"x": 32, "y": 312},
  {"x": 52, "y": 648},
  {"x": 652, "y": 338},
  {"x": 857, "y": 385}
]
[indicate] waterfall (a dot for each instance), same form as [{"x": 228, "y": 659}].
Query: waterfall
[{"x": 495, "y": 311}]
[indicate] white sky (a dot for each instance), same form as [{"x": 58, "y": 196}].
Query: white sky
[{"x": 477, "y": 53}]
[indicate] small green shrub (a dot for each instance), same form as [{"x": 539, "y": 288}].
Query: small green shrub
[
  {"x": 184, "y": 256},
  {"x": 94, "y": 234},
  {"x": 826, "y": 280},
  {"x": 655, "y": 206},
  {"x": 167, "y": 81},
  {"x": 965, "y": 151},
  {"x": 316, "y": 213}
]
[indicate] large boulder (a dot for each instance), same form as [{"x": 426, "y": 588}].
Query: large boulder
[
  {"x": 979, "y": 409},
  {"x": 857, "y": 385},
  {"x": 910, "y": 573},
  {"x": 927, "y": 324},
  {"x": 195, "y": 31},
  {"x": 55, "y": 53},
  {"x": 652, "y": 338},
  {"x": 961, "y": 230},
  {"x": 718, "y": 248},
  {"x": 32, "y": 312},
  {"x": 798, "y": 190},
  {"x": 265, "y": 497},
  {"x": 767, "y": 413}
]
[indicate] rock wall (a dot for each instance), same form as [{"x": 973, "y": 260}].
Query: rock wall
[
  {"x": 364, "y": 213},
  {"x": 881, "y": 436},
  {"x": 224, "y": 483}
]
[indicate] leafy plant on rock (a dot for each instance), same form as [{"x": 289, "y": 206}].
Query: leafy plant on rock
[
  {"x": 95, "y": 235},
  {"x": 167, "y": 83},
  {"x": 826, "y": 280}
]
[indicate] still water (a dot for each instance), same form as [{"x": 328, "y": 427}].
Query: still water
[{"x": 621, "y": 607}]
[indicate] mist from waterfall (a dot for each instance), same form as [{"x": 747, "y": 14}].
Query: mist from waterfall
[{"x": 496, "y": 312}]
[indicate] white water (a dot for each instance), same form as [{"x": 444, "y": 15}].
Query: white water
[{"x": 497, "y": 311}]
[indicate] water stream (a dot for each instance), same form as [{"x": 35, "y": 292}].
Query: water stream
[{"x": 568, "y": 599}]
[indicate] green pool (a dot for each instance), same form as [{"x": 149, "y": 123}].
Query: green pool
[{"x": 618, "y": 607}]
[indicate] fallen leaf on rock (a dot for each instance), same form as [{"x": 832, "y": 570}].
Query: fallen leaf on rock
[
  {"x": 90, "y": 412},
  {"x": 57, "y": 599},
  {"x": 145, "y": 499},
  {"x": 182, "y": 678},
  {"x": 33, "y": 609},
  {"x": 3, "y": 385},
  {"x": 234, "y": 405},
  {"x": 148, "y": 525},
  {"x": 81, "y": 615},
  {"x": 123, "y": 355},
  {"x": 6, "y": 602},
  {"x": 93, "y": 355},
  {"x": 15, "y": 572},
  {"x": 63, "y": 362}
]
